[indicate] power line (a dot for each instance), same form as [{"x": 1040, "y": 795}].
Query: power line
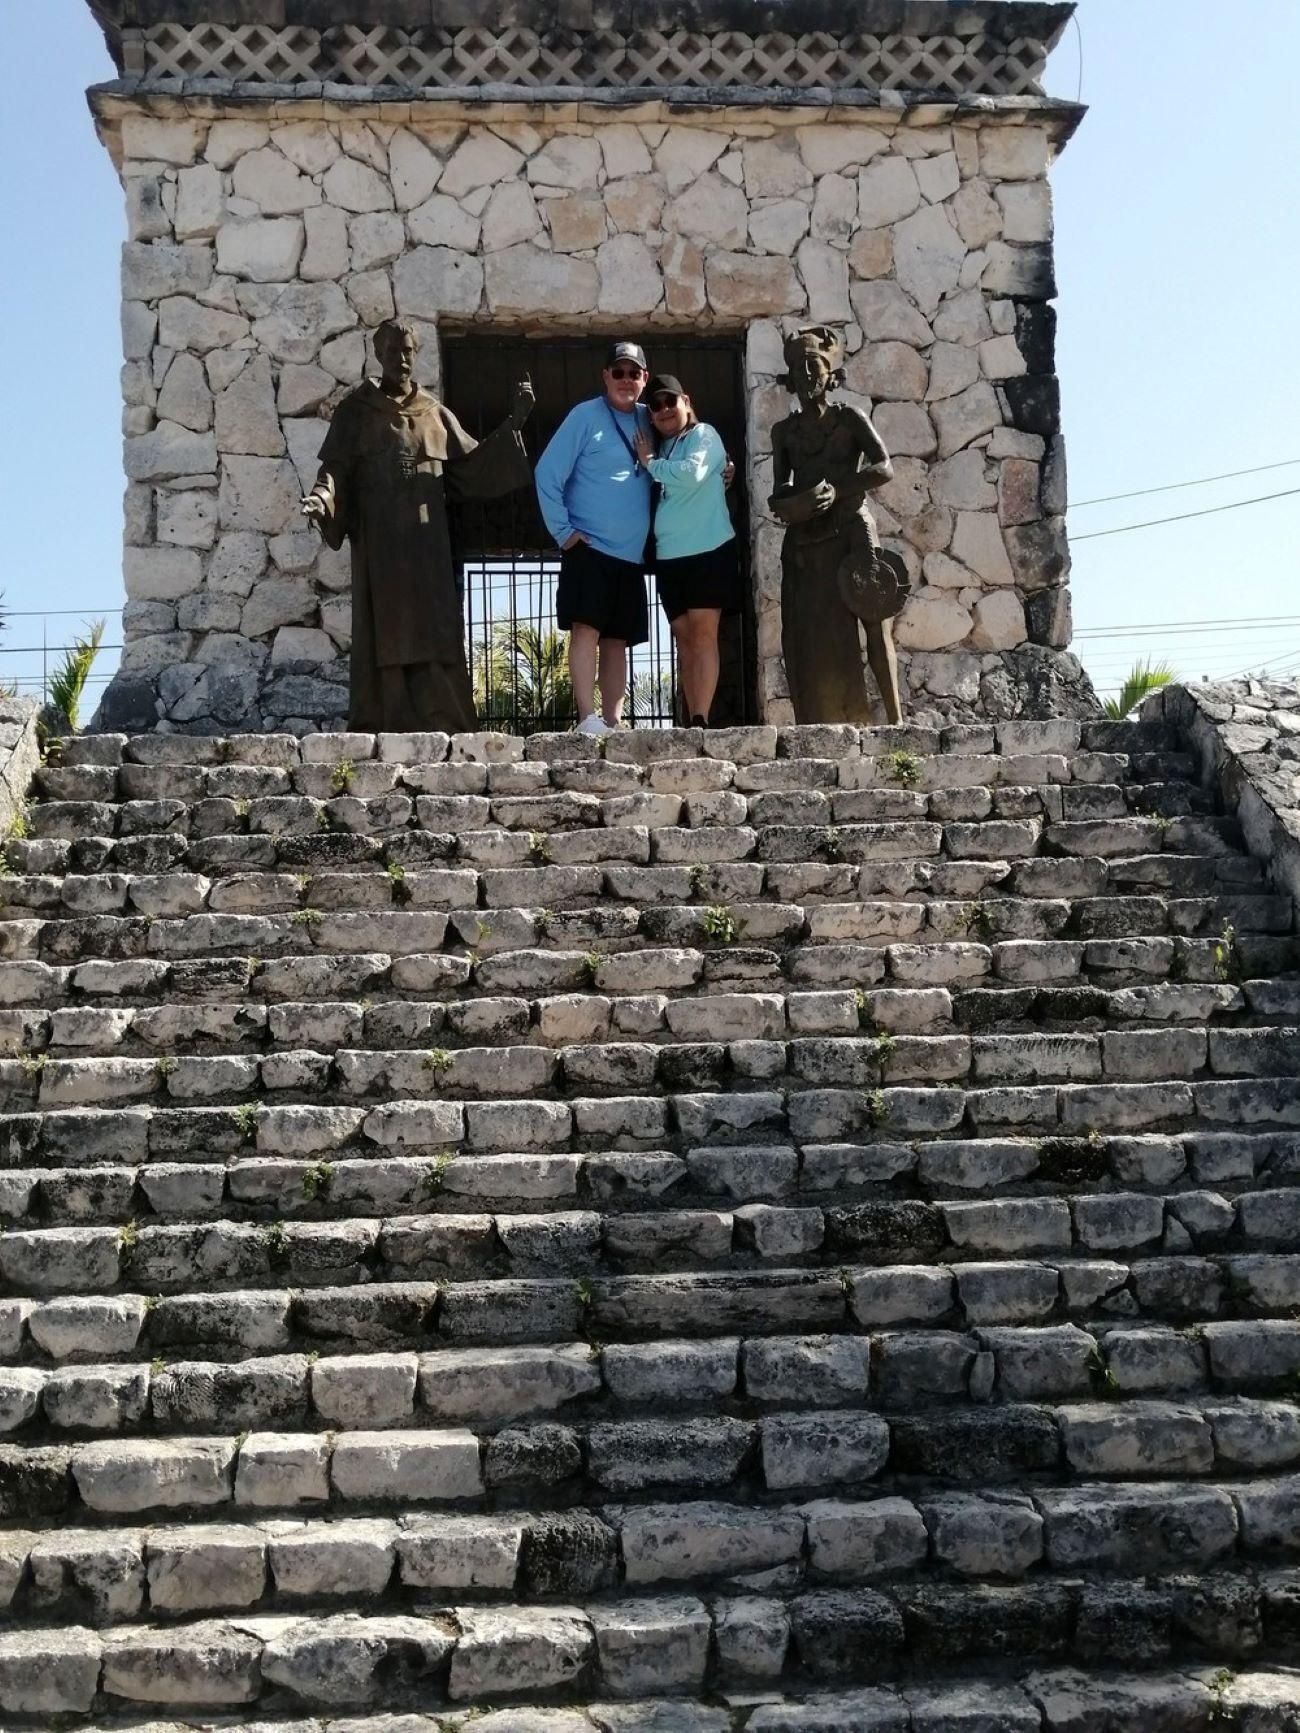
[
  {"x": 1209, "y": 511},
  {"x": 1173, "y": 486},
  {"x": 1161, "y": 625}
]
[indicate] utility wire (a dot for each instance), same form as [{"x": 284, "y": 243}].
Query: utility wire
[
  {"x": 1172, "y": 486},
  {"x": 1162, "y": 625},
  {"x": 1209, "y": 511}
]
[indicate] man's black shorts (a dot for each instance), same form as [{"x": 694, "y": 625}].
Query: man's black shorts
[{"x": 599, "y": 591}]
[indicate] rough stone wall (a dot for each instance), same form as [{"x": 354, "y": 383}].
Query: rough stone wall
[
  {"x": 1247, "y": 735},
  {"x": 266, "y": 242}
]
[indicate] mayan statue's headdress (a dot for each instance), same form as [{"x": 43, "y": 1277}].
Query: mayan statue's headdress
[{"x": 817, "y": 340}]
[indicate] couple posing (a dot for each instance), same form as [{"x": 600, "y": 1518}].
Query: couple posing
[{"x": 634, "y": 464}]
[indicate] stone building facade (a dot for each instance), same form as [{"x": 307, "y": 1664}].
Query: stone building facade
[{"x": 291, "y": 181}]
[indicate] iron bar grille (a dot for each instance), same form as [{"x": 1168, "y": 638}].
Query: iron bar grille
[{"x": 507, "y": 565}]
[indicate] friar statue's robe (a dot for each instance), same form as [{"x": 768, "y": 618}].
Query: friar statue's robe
[{"x": 387, "y": 472}]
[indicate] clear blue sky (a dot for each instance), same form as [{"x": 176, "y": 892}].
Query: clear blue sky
[{"x": 1178, "y": 254}]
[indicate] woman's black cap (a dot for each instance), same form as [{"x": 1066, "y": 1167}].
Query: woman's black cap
[{"x": 662, "y": 383}]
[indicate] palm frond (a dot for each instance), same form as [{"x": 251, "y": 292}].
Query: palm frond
[
  {"x": 1144, "y": 679},
  {"x": 68, "y": 681}
]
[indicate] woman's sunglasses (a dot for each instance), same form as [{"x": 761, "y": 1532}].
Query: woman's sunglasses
[
  {"x": 625, "y": 372},
  {"x": 664, "y": 403}
]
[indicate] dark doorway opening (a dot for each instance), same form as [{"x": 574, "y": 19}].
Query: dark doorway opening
[{"x": 508, "y": 564}]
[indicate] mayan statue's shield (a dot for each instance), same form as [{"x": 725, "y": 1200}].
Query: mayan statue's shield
[{"x": 873, "y": 582}]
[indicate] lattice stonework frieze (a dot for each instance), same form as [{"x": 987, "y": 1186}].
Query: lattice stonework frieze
[{"x": 599, "y": 60}]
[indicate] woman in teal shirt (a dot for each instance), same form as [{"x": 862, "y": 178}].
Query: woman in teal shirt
[{"x": 695, "y": 545}]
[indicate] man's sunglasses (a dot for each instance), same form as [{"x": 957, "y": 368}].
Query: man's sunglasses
[
  {"x": 626, "y": 372},
  {"x": 663, "y": 403}
]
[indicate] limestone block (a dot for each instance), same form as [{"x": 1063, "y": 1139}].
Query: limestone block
[
  {"x": 963, "y": 318},
  {"x": 168, "y": 451},
  {"x": 481, "y": 160},
  {"x": 303, "y": 389},
  {"x": 634, "y": 205},
  {"x": 928, "y": 256},
  {"x": 652, "y": 1645},
  {"x": 1023, "y": 272},
  {"x": 774, "y": 167},
  {"x": 134, "y": 1475},
  {"x": 831, "y": 148},
  {"x": 887, "y": 192},
  {"x": 238, "y": 560},
  {"x": 954, "y": 368},
  {"x": 687, "y": 152},
  {"x": 518, "y": 1649},
  {"x": 977, "y": 214},
  {"x": 49, "y": 1672},
  {"x": 301, "y": 317},
  {"x": 194, "y": 1570},
  {"x": 931, "y": 620},
  {"x": 258, "y": 493},
  {"x": 199, "y": 202},
  {"x": 263, "y": 250},
  {"x": 683, "y": 268},
  {"x": 884, "y": 312},
  {"x": 413, "y": 169},
  {"x": 825, "y": 273},
  {"x": 376, "y": 238},
  {"x": 151, "y": 140},
  {"x": 524, "y": 279},
  {"x": 431, "y": 282},
  {"x": 752, "y": 1636},
  {"x": 892, "y": 370},
  {"x": 282, "y": 1470},
  {"x": 345, "y": 357},
  {"x": 1000, "y": 358},
  {"x": 959, "y": 481},
  {"x": 277, "y": 602},
  {"x": 629, "y": 276},
  {"x": 624, "y": 152},
  {"x": 146, "y": 215},
  {"x": 153, "y": 269},
  {"x": 906, "y": 429},
  {"x": 966, "y": 416},
  {"x": 325, "y": 258},
  {"x": 576, "y": 223},
  {"x": 355, "y": 186},
  {"x": 566, "y": 160},
  {"x": 371, "y": 293},
  {"x": 938, "y": 176},
  {"x": 205, "y": 1664},
  {"x": 999, "y": 622},
  {"x": 713, "y": 212},
  {"x": 187, "y": 520},
  {"x": 872, "y": 253},
  {"x": 741, "y": 285},
  {"x": 268, "y": 180},
  {"x": 441, "y": 222},
  {"x": 247, "y": 422},
  {"x": 302, "y": 644},
  {"x": 407, "y": 1465},
  {"x": 309, "y": 145},
  {"x": 864, "y": 1540},
  {"x": 185, "y": 397},
  {"x": 1026, "y": 211},
  {"x": 1014, "y": 153},
  {"x": 834, "y": 209},
  {"x": 228, "y": 140}
]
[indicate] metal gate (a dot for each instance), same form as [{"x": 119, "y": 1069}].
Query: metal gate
[{"x": 508, "y": 565}]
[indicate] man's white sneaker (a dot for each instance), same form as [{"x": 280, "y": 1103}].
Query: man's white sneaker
[{"x": 593, "y": 725}]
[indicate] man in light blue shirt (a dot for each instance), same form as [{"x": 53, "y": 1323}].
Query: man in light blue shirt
[{"x": 595, "y": 494}]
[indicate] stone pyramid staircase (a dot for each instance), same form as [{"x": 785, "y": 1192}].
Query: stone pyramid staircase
[{"x": 769, "y": 1229}]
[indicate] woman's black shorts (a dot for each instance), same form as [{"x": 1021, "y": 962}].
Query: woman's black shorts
[
  {"x": 710, "y": 580},
  {"x": 599, "y": 591}
]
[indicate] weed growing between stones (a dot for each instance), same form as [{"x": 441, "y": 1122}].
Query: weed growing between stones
[
  {"x": 698, "y": 879},
  {"x": 720, "y": 926},
  {"x": 309, "y": 918},
  {"x": 866, "y": 1021},
  {"x": 539, "y": 848},
  {"x": 877, "y": 1109},
  {"x": 831, "y": 844},
  {"x": 276, "y": 1240},
  {"x": 325, "y": 820},
  {"x": 1227, "y": 959},
  {"x": 885, "y": 1047},
  {"x": 316, "y": 1182},
  {"x": 1104, "y": 1380},
  {"x": 439, "y": 1061},
  {"x": 903, "y": 768},
  {"x": 398, "y": 888},
  {"x": 342, "y": 777},
  {"x": 163, "y": 1068},
  {"x": 1219, "y": 1685},
  {"x": 590, "y": 968},
  {"x": 245, "y": 1117},
  {"x": 436, "y": 1172}
]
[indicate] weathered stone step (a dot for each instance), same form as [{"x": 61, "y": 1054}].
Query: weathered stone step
[
  {"x": 729, "y": 1027},
  {"x": 1103, "y": 1467},
  {"x": 1063, "y": 1700},
  {"x": 392, "y": 1563},
  {"x": 475, "y": 1654}
]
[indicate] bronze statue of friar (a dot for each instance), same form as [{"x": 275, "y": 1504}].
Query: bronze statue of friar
[
  {"x": 834, "y": 572},
  {"x": 393, "y": 457}
]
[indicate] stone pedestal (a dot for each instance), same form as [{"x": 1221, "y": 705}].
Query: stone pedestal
[{"x": 290, "y": 185}]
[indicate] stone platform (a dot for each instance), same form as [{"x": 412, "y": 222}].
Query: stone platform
[{"x": 772, "y": 1229}]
